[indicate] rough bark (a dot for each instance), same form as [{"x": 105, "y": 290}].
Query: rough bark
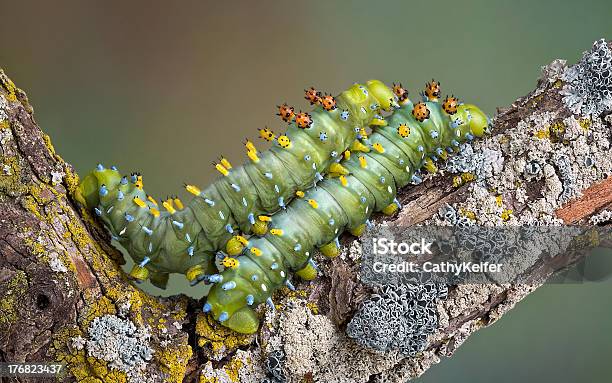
[{"x": 58, "y": 273}]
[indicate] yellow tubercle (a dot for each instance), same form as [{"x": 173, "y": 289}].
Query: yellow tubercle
[
  {"x": 256, "y": 251},
  {"x": 193, "y": 189},
  {"x": 276, "y": 231},
  {"x": 378, "y": 122},
  {"x": 357, "y": 146},
  {"x": 152, "y": 200},
  {"x": 178, "y": 203},
  {"x": 267, "y": 134},
  {"x": 338, "y": 169},
  {"x": 378, "y": 147},
  {"x": 230, "y": 262},
  {"x": 139, "y": 184},
  {"x": 226, "y": 163},
  {"x": 264, "y": 218},
  {"x": 362, "y": 162},
  {"x": 284, "y": 141},
  {"x": 249, "y": 146},
  {"x": 222, "y": 169},
  {"x": 168, "y": 206},
  {"x": 403, "y": 130},
  {"x": 347, "y": 155},
  {"x": 299, "y": 194},
  {"x": 363, "y": 133},
  {"x": 154, "y": 212},
  {"x": 313, "y": 203},
  {"x": 253, "y": 156},
  {"x": 139, "y": 202},
  {"x": 241, "y": 239},
  {"x": 444, "y": 155},
  {"x": 343, "y": 180}
]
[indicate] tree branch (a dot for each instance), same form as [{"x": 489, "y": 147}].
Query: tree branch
[{"x": 63, "y": 296}]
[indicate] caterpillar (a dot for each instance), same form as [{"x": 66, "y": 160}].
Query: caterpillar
[
  {"x": 413, "y": 137},
  {"x": 185, "y": 238}
]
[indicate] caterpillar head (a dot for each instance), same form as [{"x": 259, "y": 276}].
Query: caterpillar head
[
  {"x": 359, "y": 94},
  {"x": 230, "y": 305},
  {"x": 478, "y": 121},
  {"x": 383, "y": 94},
  {"x": 88, "y": 191}
]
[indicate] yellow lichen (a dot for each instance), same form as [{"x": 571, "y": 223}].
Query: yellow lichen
[
  {"x": 85, "y": 369},
  {"x": 467, "y": 213},
  {"x": 10, "y": 176},
  {"x": 457, "y": 181},
  {"x": 173, "y": 362},
  {"x": 557, "y": 128},
  {"x": 232, "y": 369},
  {"x": 543, "y": 133},
  {"x": 13, "y": 291},
  {"x": 498, "y": 201},
  {"x": 313, "y": 307},
  {"x": 217, "y": 338},
  {"x": 9, "y": 86},
  {"x": 96, "y": 308},
  {"x": 585, "y": 123},
  {"x": 505, "y": 215}
]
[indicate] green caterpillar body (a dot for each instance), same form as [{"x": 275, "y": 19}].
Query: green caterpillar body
[
  {"x": 413, "y": 137},
  {"x": 184, "y": 239}
]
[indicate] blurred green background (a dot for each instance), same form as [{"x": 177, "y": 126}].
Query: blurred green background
[{"x": 166, "y": 87}]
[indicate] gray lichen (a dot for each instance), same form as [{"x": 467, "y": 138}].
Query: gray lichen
[
  {"x": 588, "y": 84},
  {"x": 119, "y": 342},
  {"x": 274, "y": 367},
  {"x": 398, "y": 318},
  {"x": 483, "y": 163},
  {"x": 602, "y": 217}
]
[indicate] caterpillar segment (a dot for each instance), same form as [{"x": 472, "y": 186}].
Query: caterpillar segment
[
  {"x": 165, "y": 239},
  {"x": 341, "y": 203}
]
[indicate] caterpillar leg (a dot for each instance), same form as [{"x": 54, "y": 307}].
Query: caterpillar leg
[
  {"x": 139, "y": 273},
  {"x": 159, "y": 279},
  {"x": 331, "y": 250},
  {"x": 308, "y": 273},
  {"x": 197, "y": 273},
  {"x": 358, "y": 231},
  {"x": 244, "y": 321}
]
